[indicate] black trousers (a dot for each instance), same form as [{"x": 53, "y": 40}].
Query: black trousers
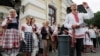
[
  {"x": 94, "y": 42},
  {"x": 78, "y": 47},
  {"x": 99, "y": 40}
]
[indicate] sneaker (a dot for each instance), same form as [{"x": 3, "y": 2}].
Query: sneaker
[
  {"x": 53, "y": 51},
  {"x": 56, "y": 51},
  {"x": 93, "y": 51}
]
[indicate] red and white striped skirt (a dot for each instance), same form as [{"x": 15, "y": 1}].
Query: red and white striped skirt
[{"x": 10, "y": 39}]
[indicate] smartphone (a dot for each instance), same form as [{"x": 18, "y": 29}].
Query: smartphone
[{"x": 81, "y": 9}]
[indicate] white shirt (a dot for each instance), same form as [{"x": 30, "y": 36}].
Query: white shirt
[
  {"x": 54, "y": 29},
  {"x": 36, "y": 40},
  {"x": 47, "y": 29},
  {"x": 92, "y": 33},
  {"x": 70, "y": 20},
  {"x": 84, "y": 30},
  {"x": 27, "y": 29}
]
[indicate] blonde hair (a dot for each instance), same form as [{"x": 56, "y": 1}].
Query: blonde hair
[{"x": 11, "y": 11}]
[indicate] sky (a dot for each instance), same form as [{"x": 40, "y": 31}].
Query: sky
[{"x": 94, "y": 4}]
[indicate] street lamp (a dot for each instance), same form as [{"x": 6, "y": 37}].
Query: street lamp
[{"x": 22, "y": 8}]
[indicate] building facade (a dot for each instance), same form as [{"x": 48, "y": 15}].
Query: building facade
[
  {"x": 4, "y": 12},
  {"x": 44, "y": 10},
  {"x": 6, "y": 5},
  {"x": 41, "y": 10}
]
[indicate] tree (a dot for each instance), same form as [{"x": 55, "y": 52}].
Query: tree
[{"x": 95, "y": 21}]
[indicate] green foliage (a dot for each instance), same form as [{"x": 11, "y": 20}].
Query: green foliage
[{"x": 95, "y": 21}]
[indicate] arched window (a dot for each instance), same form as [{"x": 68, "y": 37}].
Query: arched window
[{"x": 52, "y": 14}]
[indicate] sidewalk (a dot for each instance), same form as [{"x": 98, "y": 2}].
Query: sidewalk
[
  {"x": 84, "y": 54},
  {"x": 93, "y": 54}
]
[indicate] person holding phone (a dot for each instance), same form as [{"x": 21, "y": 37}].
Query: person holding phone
[{"x": 10, "y": 37}]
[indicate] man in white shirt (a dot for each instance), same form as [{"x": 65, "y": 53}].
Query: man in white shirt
[{"x": 73, "y": 22}]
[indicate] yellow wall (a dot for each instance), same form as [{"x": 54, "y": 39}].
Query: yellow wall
[
  {"x": 5, "y": 11},
  {"x": 30, "y": 6},
  {"x": 56, "y": 3}
]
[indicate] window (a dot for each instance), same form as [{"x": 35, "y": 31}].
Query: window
[
  {"x": 1, "y": 15},
  {"x": 52, "y": 14}
]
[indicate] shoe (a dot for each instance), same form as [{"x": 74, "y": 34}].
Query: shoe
[
  {"x": 45, "y": 55},
  {"x": 53, "y": 51},
  {"x": 93, "y": 51},
  {"x": 56, "y": 51}
]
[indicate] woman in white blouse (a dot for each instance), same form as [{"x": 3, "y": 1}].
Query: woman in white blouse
[{"x": 27, "y": 34}]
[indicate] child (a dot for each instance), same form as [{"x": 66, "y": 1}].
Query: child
[
  {"x": 87, "y": 42},
  {"x": 27, "y": 34},
  {"x": 35, "y": 37}
]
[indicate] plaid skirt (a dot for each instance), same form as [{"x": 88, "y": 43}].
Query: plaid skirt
[
  {"x": 10, "y": 39},
  {"x": 28, "y": 46}
]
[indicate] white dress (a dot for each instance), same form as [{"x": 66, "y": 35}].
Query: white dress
[
  {"x": 35, "y": 44},
  {"x": 87, "y": 40}
]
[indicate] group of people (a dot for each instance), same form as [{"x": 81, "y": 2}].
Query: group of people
[
  {"x": 91, "y": 39},
  {"x": 34, "y": 41},
  {"x": 28, "y": 39}
]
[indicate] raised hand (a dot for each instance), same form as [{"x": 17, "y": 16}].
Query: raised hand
[{"x": 85, "y": 4}]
